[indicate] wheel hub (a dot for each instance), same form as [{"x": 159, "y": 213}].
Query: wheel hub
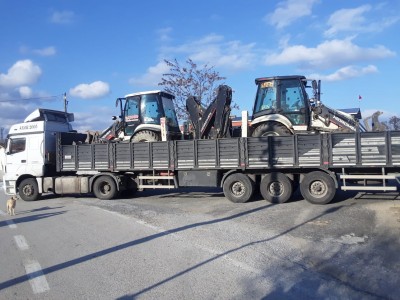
[
  {"x": 238, "y": 189},
  {"x": 275, "y": 188},
  {"x": 318, "y": 188},
  {"x": 27, "y": 190}
]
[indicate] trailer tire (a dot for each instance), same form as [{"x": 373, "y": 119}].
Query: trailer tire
[
  {"x": 28, "y": 189},
  {"x": 276, "y": 188},
  {"x": 318, "y": 188},
  {"x": 271, "y": 128},
  {"x": 105, "y": 188},
  {"x": 146, "y": 136},
  {"x": 238, "y": 188}
]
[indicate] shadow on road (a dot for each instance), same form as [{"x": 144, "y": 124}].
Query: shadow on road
[
  {"x": 38, "y": 209},
  {"x": 31, "y": 218}
]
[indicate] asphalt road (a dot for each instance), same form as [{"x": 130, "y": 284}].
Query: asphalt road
[{"x": 195, "y": 244}]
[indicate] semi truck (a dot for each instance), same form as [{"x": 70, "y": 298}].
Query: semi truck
[{"x": 44, "y": 154}]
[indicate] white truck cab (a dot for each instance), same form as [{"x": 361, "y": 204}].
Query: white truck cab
[{"x": 30, "y": 153}]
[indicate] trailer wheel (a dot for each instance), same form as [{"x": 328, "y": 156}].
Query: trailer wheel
[
  {"x": 318, "y": 188},
  {"x": 146, "y": 136},
  {"x": 105, "y": 188},
  {"x": 271, "y": 128},
  {"x": 28, "y": 189},
  {"x": 238, "y": 188},
  {"x": 276, "y": 188}
]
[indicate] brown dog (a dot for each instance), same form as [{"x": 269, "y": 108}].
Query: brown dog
[{"x": 11, "y": 205}]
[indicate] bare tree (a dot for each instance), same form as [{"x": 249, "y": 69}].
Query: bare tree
[
  {"x": 394, "y": 123},
  {"x": 190, "y": 80}
]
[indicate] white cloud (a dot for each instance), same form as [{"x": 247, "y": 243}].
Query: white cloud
[
  {"x": 328, "y": 54},
  {"x": 62, "y": 17},
  {"x": 25, "y": 91},
  {"x": 48, "y": 51},
  {"x": 215, "y": 51},
  {"x": 152, "y": 76},
  {"x": 346, "y": 73},
  {"x": 92, "y": 90},
  {"x": 347, "y": 19},
  {"x": 164, "y": 34},
  {"x": 23, "y": 72},
  {"x": 210, "y": 49},
  {"x": 355, "y": 20},
  {"x": 289, "y": 11}
]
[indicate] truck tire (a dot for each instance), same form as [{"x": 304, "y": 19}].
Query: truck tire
[
  {"x": 105, "y": 188},
  {"x": 238, "y": 188},
  {"x": 146, "y": 136},
  {"x": 28, "y": 189},
  {"x": 318, "y": 188},
  {"x": 271, "y": 128},
  {"x": 276, "y": 188}
]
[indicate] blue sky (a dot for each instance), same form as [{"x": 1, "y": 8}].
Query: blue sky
[{"x": 96, "y": 51}]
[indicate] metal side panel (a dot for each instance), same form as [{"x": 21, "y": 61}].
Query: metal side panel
[
  {"x": 395, "y": 147},
  {"x": 185, "y": 154},
  {"x": 282, "y": 151},
  {"x": 344, "y": 149},
  {"x": 258, "y": 152},
  {"x": 160, "y": 155},
  {"x": 309, "y": 150},
  {"x": 68, "y": 158},
  {"x": 101, "y": 155},
  {"x": 229, "y": 153},
  {"x": 373, "y": 148},
  {"x": 141, "y": 155},
  {"x": 84, "y": 157},
  {"x": 207, "y": 153},
  {"x": 123, "y": 157}
]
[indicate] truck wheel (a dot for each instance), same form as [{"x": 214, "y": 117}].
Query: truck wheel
[
  {"x": 276, "y": 188},
  {"x": 238, "y": 188},
  {"x": 146, "y": 136},
  {"x": 271, "y": 128},
  {"x": 104, "y": 188},
  {"x": 28, "y": 189},
  {"x": 318, "y": 188}
]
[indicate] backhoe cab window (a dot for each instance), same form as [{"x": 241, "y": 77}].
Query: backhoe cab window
[
  {"x": 132, "y": 109},
  {"x": 151, "y": 112},
  {"x": 17, "y": 145},
  {"x": 266, "y": 96},
  {"x": 170, "y": 112}
]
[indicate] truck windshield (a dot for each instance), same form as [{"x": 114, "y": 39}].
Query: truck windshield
[{"x": 170, "y": 112}]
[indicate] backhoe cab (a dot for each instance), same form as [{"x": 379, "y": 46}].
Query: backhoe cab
[
  {"x": 282, "y": 107},
  {"x": 140, "y": 119}
]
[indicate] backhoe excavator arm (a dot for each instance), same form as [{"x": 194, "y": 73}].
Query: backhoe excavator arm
[{"x": 212, "y": 122}]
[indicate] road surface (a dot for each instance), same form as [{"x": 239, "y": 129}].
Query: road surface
[{"x": 195, "y": 244}]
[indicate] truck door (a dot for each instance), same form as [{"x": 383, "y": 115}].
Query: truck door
[{"x": 16, "y": 159}]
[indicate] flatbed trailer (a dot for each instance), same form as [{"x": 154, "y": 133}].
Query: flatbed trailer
[{"x": 276, "y": 165}]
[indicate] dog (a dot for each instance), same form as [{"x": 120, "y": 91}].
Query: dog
[{"x": 11, "y": 205}]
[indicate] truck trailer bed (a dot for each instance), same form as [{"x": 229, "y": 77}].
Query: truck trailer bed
[{"x": 332, "y": 151}]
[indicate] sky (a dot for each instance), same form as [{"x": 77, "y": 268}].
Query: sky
[{"x": 97, "y": 51}]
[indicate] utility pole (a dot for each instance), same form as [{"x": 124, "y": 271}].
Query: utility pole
[
  {"x": 1, "y": 135},
  {"x": 65, "y": 102}
]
